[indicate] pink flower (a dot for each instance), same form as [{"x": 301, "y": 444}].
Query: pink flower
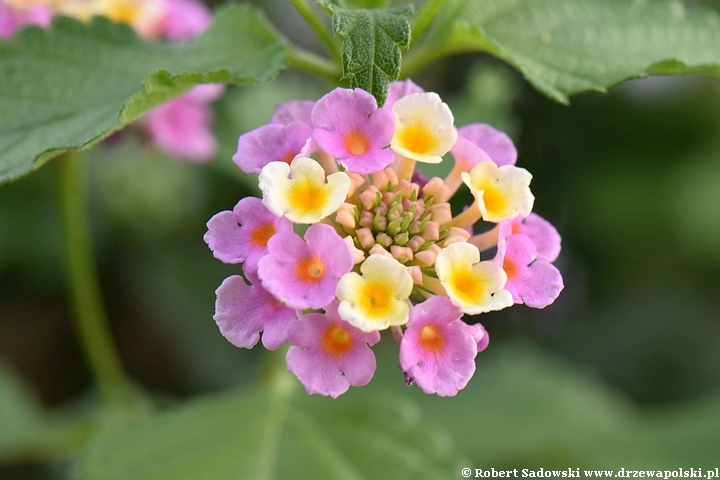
[
  {"x": 495, "y": 143},
  {"x": 400, "y": 89},
  {"x": 480, "y": 335},
  {"x": 182, "y": 127},
  {"x": 299, "y": 110},
  {"x": 243, "y": 311},
  {"x": 541, "y": 232},
  {"x": 242, "y": 235},
  {"x": 534, "y": 282},
  {"x": 184, "y": 19},
  {"x": 438, "y": 349},
  {"x": 328, "y": 354},
  {"x": 305, "y": 275},
  {"x": 350, "y": 127},
  {"x": 271, "y": 143},
  {"x": 477, "y": 143},
  {"x": 467, "y": 154},
  {"x": 12, "y": 18}
]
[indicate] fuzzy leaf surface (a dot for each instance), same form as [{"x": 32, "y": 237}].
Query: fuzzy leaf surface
[
  {"x": 72, "y": 85},
  {"x": 563, "y": 47},
  {"x": 373, "y": 41},
  {"x": 273, "y": 435}
]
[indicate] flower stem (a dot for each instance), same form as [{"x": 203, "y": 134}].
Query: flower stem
[
  {"x": 312, "y": 63},
  {"x": 424, "y": 17},
  {"x": 466, "y": 218},
  {"x": 89, "y": 314},
  {"x": 319, "y": 27},
  {"x": 406, "y": 168},
  {"x": 418, "y": 58},
  {"x": 281, "y": 386},
  {"x": 487, "y": 239}
]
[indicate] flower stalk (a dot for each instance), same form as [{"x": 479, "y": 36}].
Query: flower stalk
[
  {"x": 425, "y": 16},
  {"x": 309, "y": 62},
  {"x": 318, "y": 27},
  {"x": 89, "y": 313}
]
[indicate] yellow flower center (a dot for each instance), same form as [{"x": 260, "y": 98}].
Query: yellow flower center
[
  {"x": 336, "y": 340},
  {"x": 416, "y": 138},
  {"x": 375, "y": 300},
  {"x": 306, "y": 196},
  {"x": 495, "y": 201},
  {"x": 466, "y": 285}
]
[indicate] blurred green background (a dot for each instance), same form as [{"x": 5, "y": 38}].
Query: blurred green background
[{"x": 623, "y": 370}]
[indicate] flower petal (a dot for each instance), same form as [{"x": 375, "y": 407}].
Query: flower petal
[
  {"x": 438, "y": 349},
  {"x": 378, "y": 298},
  {"x": 305, "y": 275},
  {"x": 474, "y": 286},
  {"x": 306, "y": 197},
  {"x": 328, "y": 355},
  {"x": 424, "y": 128},
  {"x": 242, "y": 235},
  {"x": 297, "y": 110},
  {"x": 270, "y": 143},
  {"x": 242, "y": 311},
  {"x": 501, "y": 193},
  {"x": 495, "y": 143},
  {"x": 350, "y": 127}
]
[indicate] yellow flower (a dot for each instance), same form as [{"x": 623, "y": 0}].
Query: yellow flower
[
  {"x": 473, "y": 286},
  {"x": 305, "y": 197},
  {"x": 500, "y": 193},
  {"x": 378, "y": 298},
  {"x": 424, "y": 128}
]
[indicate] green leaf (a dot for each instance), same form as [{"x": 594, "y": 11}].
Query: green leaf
[
  {"x": 72, "y": 85},
  {"x": 30, "y": 433},
  {"x": 564, "y": 47},
  {"x": 19, "y": 413},
  {"x": 372, "y": 45},
  {"x": 331, "y": 4},
  {"x": 276, "y": 434},
  {"x": 525, "y": 408}
]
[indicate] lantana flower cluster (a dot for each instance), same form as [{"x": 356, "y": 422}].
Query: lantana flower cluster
[
  {"x": 181, "y": 127},
  {"x": 383, "y": 249}
]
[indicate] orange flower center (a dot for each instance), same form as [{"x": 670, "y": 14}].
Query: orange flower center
[
  {"x": 356, "y": 142},
  {"x": 310, "y": 270},
  {"x": 336, "y": 340},
  {"x": 417, "y": 138},
  {"x": 262, "y": 233},
  {"x": 510, "y": 268},
  {"x": 288, "y": 157},
  {"x": 431, "y": 338}
]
